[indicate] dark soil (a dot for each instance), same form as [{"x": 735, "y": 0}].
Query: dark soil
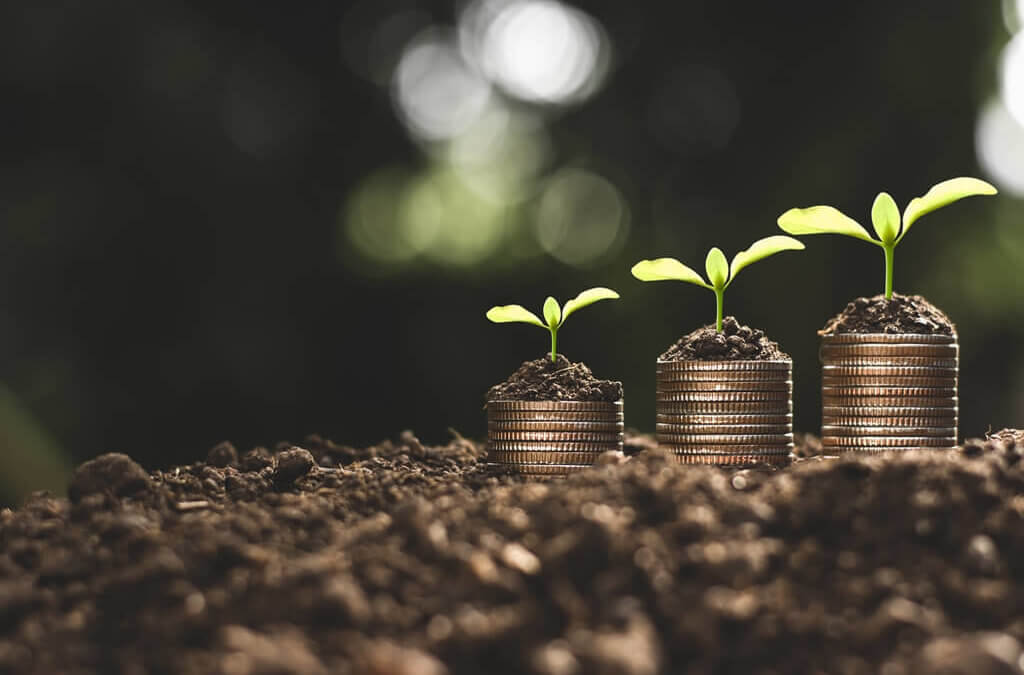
[
  {"x": 735, "y": 342},
  {"x": 901, "y": 314},
  {"x": 560, "y": 380},
  {"x": 405, "y": 559}
]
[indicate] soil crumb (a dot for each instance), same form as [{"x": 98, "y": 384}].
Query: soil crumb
[
  {"x": 405, "y": 557},
  {"x": 561, "y": 380},
  {"x": 901, "y": 314},
  {"x": 735, "y": 343}
]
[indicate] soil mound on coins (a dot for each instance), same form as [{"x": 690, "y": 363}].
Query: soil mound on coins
[
  {"x": 560, "y": 380},
  {"x": 901, "y": 314},
  {"x": 406, "y": 558},
  {"x": 734, "y": 343}
]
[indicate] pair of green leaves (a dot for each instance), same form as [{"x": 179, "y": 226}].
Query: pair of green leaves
[
  {"x": 885, "y": 215},
  {"x": 554, "y": 315},
  {"x": 720, "y": 273}
]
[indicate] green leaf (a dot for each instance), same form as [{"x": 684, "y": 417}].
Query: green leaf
[
  {"x": 885, "y": 216},
  {"x": 513, "y": 313},
  {"x": 588, "y": 297},
  {"x": 822, "y": 220},
  {"x": 760, "y": 249},
  {"x": 552, "y": 312},
  {"x": 946, "y": 192},
  {"x": 717, "y": 268},
  {"x": 666, "y": 269}
]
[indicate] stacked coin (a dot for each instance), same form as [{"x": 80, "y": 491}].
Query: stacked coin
[
  {"x": 885, "y": 392},
  {"x": 725, "y": 412},
  {"x": 551, "y": 438}
]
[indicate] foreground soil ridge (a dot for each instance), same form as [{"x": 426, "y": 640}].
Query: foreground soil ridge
[{"x": 405, "y": 558}]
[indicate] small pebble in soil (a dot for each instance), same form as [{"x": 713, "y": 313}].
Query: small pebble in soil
[
  {"x": 114, "y": 472},
  {"x": 221, "y": 455},
  {"x": 292, "y": 465}
]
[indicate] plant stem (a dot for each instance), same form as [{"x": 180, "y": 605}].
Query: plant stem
[
  {"x": 719, "y": 293},
  {"x": 554, "y": 343},
  {"x": 889, "y": 251}
]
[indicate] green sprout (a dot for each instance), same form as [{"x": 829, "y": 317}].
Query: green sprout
[
  {"x": 885, "y": 216},
  {"x": 720, "y": 273},
  {"x": 554, "y": 316}
]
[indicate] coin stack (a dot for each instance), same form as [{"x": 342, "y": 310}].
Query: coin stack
[
  {"x": 889, "y": 392},
  {"x": 551, "y": 438},
  {"x": 725, "y": 412}
]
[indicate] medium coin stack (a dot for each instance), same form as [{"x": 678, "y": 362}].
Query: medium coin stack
[
  {"x": 551, "y": 438},
  {"x": 889, "y": 392},
  {"x": 725, "y": 412}
]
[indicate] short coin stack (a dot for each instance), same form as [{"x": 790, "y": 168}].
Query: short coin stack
[
  {"x": 551, "y": 438},
  {"x": 725, "y": 412},
  {"x": 888, "y": 392}
]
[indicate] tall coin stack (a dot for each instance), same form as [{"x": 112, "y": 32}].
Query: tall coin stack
[
  {"x": 551, "y": 438},
  {"x": 889, "y": 392},
  {"x": 725, "y": 412}
]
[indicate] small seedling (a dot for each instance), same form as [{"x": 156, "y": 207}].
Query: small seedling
[
  {"x": 720, "y": 273},
  {"x": 885, "y": 217},
  {"x": 554, "y": 316}
]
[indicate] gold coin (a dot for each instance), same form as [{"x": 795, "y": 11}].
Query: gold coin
[
  {"x": 781, "y": 385},
  {"x": 888, "y": 441},
  {"x": 529, "y": 446},
  {"x": 901, "y": 422},
  {"x": 722, "y": 376},
  {"x": 888, "y": 371},
  {"x": 888, "y": 411},
  {"x": 738, "y": 365},
  {"x": 860, "y": 431},
  {"x": 857, "y": 391},
  {"x": 541, "y": 469},
  {"x": 843, "y": 450},
  {"x": 888, "y": 338},
  {"x": 563, "y": 458},
  {"x": 676, "y": 428},
  {"x": 884, "y": 381},
  {"x": 846, "y": 401},
  {"x": 895, "y": 361},
  {"x": 721, "y": 396},
  {"x": 546, "y": 425},
  {"x": 598, "y": 406},
  {"x": 698, "y": 418},
  {"x": 555, "y": 416},
  {"x": 733, "y": 460},
  {"x": 778, "y": 407},
  {"x": 726, "y": 450},
  {"x": 555, "y": 436},
  {"x": 703, "y": 440}
]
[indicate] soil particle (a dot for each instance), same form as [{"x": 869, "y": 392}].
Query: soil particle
[
  {"x": 222, "y": 455},
  {"x": 901, "y": 314},
  {"x": 292, "y": 465},
  {"x": 410, "y": 558},
  {"x": 560, "y": 380},
  {"x": 734, "y": 342},
  {"x": 114, "y": 472}
]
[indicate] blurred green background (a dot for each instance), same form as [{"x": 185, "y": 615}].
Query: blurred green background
[{"x": 254, "y": 221}]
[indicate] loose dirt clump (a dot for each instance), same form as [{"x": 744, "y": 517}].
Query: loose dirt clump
[
  {"x": 734, "y": 342},
  {"x": 559, "y": 380},
  {"x": 901, "y": 314},
  {"x": 408, "y": 558}
]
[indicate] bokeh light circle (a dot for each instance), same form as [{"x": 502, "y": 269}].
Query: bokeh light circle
[
  {"x": 436, "y": 93},
  {"x": 581, "y": 217},
  {"x": 1012, "y": 77},
  {"x": 999, "y": 140}
]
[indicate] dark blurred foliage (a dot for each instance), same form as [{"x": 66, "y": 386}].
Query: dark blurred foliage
[{"x": 172, "y": 174}]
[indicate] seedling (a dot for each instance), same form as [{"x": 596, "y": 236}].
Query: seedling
[
  {"x": 554, "y": 315},
  {"x": 720, "y": 273},
  {"x": 884, "y": 216}
]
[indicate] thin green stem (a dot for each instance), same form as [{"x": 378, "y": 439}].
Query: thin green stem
[
  {"x": 890, "y": 249},
  {"x": 554, "y": 343},
  {"x": 719, "y": 294}
]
